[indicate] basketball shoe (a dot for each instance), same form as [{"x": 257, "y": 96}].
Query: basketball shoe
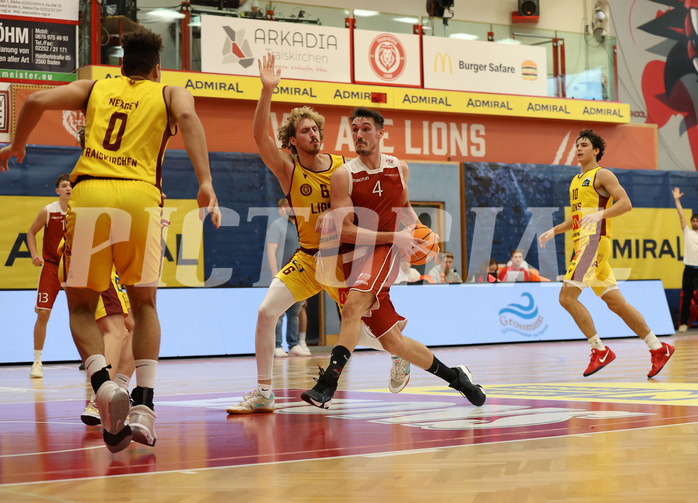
[
  {"x": 464, "y": 384},
  {"x": 113, "y": 404},
  {"x": 322, "y": 393},
  {"x": 35, "y": 372},
  {"x": 142, "y": 423},
  {"x": 253, "y": 402},
  {"x": 90, "y": 416},
  {"x": 599, "y": 359},
  {"x": 399, "y": 374},
  {"x": 299, "y": 350},
  {"x": 660, "y": 357}
]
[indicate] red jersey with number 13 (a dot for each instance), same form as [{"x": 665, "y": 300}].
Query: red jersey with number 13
[{"x": 376, "y": 193}]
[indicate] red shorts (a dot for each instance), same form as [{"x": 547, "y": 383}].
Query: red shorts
[
  {"x": 375, "y": 272},
  {"x": 49, "y": 286}
]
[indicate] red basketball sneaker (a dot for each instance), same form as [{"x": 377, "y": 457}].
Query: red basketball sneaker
[
  {"x": 599, "y": 359},
  {"x": 660, "y": 357}
]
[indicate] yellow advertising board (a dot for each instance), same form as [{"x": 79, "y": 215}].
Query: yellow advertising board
[
  {"x": 647, "y": 244},
  {"x": 351, "y": 95},
  {"x": 182, "y": 261}
]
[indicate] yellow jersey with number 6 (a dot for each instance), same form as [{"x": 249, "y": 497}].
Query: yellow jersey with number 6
[
  {"x": 309, "y": 196},
  {"x": 126, "y": 131},
  {"x": 584, "y": 200}
]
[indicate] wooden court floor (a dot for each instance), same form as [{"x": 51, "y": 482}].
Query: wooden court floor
[{"x": 545, "y": 434}]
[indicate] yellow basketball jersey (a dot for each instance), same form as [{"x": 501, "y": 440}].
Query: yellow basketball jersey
[
  {"x": 126, "y": 131},
  {"x": 585, "y": 200},
  {"x": 309, "y": 196}
]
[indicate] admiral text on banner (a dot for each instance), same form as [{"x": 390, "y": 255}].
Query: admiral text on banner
[
  {"x": 233, "y": 46},
  {"x": 467, "y": 65}
]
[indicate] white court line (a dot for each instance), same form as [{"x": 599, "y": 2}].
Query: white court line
[{"x": 48, "y": 452}]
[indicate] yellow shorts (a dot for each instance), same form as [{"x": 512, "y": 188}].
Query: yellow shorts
[
  {"x": 590, "y": 265},
  {"x": 113, "y": 300},
  {"x": 304, "y": 279},
  {"x": 112, "y": 222}
]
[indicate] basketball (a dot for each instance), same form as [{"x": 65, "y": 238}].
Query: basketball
[{"x": 428, "y": 250}]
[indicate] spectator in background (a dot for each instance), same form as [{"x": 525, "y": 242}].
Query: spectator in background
[
  {"x": 407, "y": 274},
  {"x": 489, "y": 276},
  {"x": 282, "y": 243},
  {"x": 443, "y": 271},
  {"x": 515, "y": 272},
  {"x": 689, "y": 283}
]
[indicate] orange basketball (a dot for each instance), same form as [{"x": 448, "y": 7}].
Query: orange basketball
[{"x": 428, "y": 250}]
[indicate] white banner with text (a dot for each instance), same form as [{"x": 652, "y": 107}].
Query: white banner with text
[
  {"x": 468, "y": 65},
  {"x": 386, "y": 58},
  {"x": 307, "y": 52}
]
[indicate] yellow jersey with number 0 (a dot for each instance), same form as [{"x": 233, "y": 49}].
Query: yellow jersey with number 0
[{"x": 126, "y": 131}]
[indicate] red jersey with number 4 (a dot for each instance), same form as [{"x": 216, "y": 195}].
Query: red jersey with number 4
[
  {"x": 376, "y": 194},
  {"x": 54, "y": 228}
]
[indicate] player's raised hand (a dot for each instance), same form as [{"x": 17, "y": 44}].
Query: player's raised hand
[
  {"x": 270, "y": 75},
  {"x": 677, "y": 193}
]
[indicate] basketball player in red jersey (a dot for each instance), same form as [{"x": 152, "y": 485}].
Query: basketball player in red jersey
[
  {"x": 592, "y": 196},
  {"x": 304, "y": 176},
  {"x": 369, "y": 199},
  {"x": 51, "y": 219}
]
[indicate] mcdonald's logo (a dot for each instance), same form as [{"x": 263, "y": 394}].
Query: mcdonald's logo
[{"x": 443, "y": 58}]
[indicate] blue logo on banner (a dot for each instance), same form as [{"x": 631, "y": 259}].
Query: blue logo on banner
[{"x": 523, "y": 319}]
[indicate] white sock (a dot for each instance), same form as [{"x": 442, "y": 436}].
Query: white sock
[
  {"x": 301, "y": 339},
  {"x": 145, "y": 373},
  {"x": 652, "y": 341},
  {"x": 596, "y": 343},
  {"x": 264, "y": 389},
  {"x": 37, "y": 356},
  {"x": 94, "y": 363},
  {"x": 122, "y": 380}
]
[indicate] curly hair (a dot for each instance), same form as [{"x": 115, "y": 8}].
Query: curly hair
[
  {"x": 141, "y": 52},
  {"x": 287, "y": 130},
  {"x": 595, "y": 139}
]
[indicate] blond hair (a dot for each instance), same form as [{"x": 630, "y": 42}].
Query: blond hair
[{"x": 287, "y": 130}]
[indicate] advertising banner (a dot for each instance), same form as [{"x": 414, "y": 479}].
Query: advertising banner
[
  {"x": 386, "y": 58},
  {"x": 182, "y": 260},
  {"x": 38, "y": 51},
  {"x": 468, "y": 65},
  {"x": 238, "y": 87},
  {"x": 647, "y": 244},
  {"x": 515, "y": 312},
  {"x": 233, "y": 46},
  {"x": 55, "y": 10},
  {"x": 409, "y": 135}
]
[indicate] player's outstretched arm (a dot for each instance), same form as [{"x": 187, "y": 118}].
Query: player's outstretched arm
[
  {"x": 72, "y": 96},
  {"x": 278, "y": 161},
  {"x": 194, "y": 136},
  {"x": 677, "y": 196}
]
